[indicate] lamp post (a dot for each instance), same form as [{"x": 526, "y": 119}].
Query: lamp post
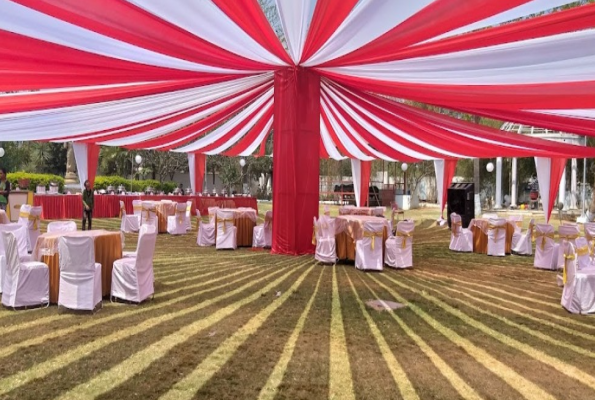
[
  {"x": 404, "y": 167},
  {"x": 242, "y": 176},
  {"x": 138, "y": 159},
  {"x": 490, "y": 168}
]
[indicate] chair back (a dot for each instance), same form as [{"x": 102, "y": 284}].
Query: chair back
[
  {"x": 569, "y": 232},
  {"x": 122, "y": 209},
  {"x": 582, "y": 253},
  {"x": 77, "y": 256},
  {"x": 11, "y": 252},
  {"x": 181, "y": 212},
  {"x": 146, "y": 247},
  {"x": 569, "y": 262},
  {"x": 517, "y": 220},
  {"x": 373, "y": 234},
  {"x": 497, "y": 228},
  {"x": 544, "y": 237},
  {"x": 225, "y": 220},
  {"x": 268, "y": 220},
  {"x": 212, "y": 214},
  {"x": 61, "y": 226},
  {"x": 379, "y": 211},
  {"x": 590, "y": 231},
  {"x": 137, "y": 207},
  {"x": 24, "y": 214},
  {"x": 21, "y": 235},
  {"x": 327, "y": 211},
  {"x": 149, "y": 212},
  {"x": 405, "y": 232},
  {"x": 189, "y": 208},
  {"x": 455, "y": 224},
  {"x": 326, "y": 227}
]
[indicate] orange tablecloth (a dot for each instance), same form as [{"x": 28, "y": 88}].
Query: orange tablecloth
[
  {"x": 480, "y": 236},
  {"x": 108, "y": 248},
  {"x": 349, "y": 228},
  {"x": 244, "y": 219}
]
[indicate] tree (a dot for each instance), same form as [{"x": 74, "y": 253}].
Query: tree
[{"x": 163, "y": 165}]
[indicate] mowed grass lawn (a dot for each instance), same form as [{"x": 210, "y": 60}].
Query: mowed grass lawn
[{"x": 247, "y": 325}]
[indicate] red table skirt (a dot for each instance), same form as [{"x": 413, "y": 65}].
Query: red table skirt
[{"x": 70, "y": 206}]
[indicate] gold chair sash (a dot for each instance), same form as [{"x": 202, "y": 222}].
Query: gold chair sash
[
  {"x": 543, "y": 236},
  {"x": 24, "y": 214},
  {"x": 180, "y": 215},
  {"x": 148, "y": 211},
  {"x": 567, "y": 257},
  {"x": 453, "y": 227},
  {"x": 373, "y": 235},
  {"x": 569, "y": 237},
  {"x": 137, "y": 207},
  {"x": 583, "y": 251},
  {"x": 35, "y": 219},
  {"x": 224, "y": 222},
  {"x": 496, "y": 228},
  {"x": 404, "y": 235}
]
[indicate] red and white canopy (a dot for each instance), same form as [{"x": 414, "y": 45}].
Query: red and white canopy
[{"x": 198, "y": 76}]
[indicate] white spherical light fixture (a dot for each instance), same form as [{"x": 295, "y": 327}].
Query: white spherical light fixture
[
  {"x": 404, "y": 167},
  {"x": 1, "y": 152},
  {"x": 242, "y": 162},
  {"x": 140, "y": 170},
  {"x": 138, "y": 159},
  {"x": 490, "y": 167}
]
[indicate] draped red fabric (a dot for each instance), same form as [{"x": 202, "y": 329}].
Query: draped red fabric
[
  {"x": 450, "y": 166},
  {"x": 445, "y": 15},
  {"x": 328, "y": 16},
  {"x": 248, "y": 15},
  {"x": 200, "y": 166},
  {"x": 295, "y": 166},
  {"x": 557, "y": 169},
  {"x": 366, "y": 169},
  {"x": 92, "y": 162},
  {"x": 124, "y": 21}
]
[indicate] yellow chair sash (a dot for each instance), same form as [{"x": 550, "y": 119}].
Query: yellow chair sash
[
  {"x": 180, "y": 215},
  {"x": 566, "y": 258},
  {"x": 35, "y": 219},
  {"x": 373, "y": 235},
  {"x": 404, "y": 235},
  {"x": 583, "y": 251},
  {"x": 496, "y": 228},
  {"x": 24, "y": 214},
  {"x": 224, "y": 222},
  {"x": 569, "y": 237},
  {"x": 148, "y": 211},
  {"x": 453, "y": 227},
  {"x": 543, "y": 236}
]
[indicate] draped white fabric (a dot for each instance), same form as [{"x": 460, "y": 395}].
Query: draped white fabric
[
  {"x": 295, "y": 18},
  {"x": 328, "y": 143},
  {"x": 82, "y": 162},
  {"x": 205, "y": 20},
  {"x": 439, "y": 170},
  {"x": 25, "y": 21},
  {"x": 356, "y": 173},
  {"x": 544, "y": 167},
  {"x": 192, "y": 170}
]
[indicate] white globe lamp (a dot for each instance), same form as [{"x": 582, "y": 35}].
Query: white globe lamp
[
  {"x": 490, "y": 167},
  {"x": 404, "y": 167},
  {"x": 138, "y": 159},
  {"x": 242, "y": 162},
  {"x": 1, "y": 152}
]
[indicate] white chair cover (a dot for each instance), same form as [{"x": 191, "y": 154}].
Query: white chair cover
[
  {"x": 177, "y": 224},
  {"x": 137, "y": 209},
  {"x": 25, "y": 283},
  {"x": 590, "y": 235},
  {"x": 546, "y": 249},
  {"x": 567, "y": 232},
  {"x": 517, "y": 221},
  {"x": 263, "y": 234},
  {"x": 583, "y": 257},
  {"x": 326, "y": 247},
  {"x": 226, "y": 231},
  {"x": 30, "y": 217},
  {"x": 61, "y": 226},
  {"x": 188, "y": 220},
  {"x": 578, "y": 296},
  {"x": 4, "y": 218},
  {"x": 368, "y": 250},
  {"x": 212, "y": 214},
  {"x": 132, "y": 277},
  {"x": 399, "y": 249},
  {"x": 24, "y": 214},
  {"x": 143, "y": 229},
  {"x": 206, "y": 232},
  {"x": 149, "y": 213},
  {"x": 524, "y": 245},
  {"x": 80, "y": 275},
  {"x": 497, "y": 237},
  {"x": 461, "y": 239},
  {"x": 130, "y": 223},
  {"x": 20, "y": 232}
]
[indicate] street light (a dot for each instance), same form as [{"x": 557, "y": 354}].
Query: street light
[
  {"x": 138, "y": 159},
  {"x": 490, "y": 167},
  {"x": 242, "y": 176},
  {"x": 1, "y": 152},
  {"x": 404, "y": 167}
]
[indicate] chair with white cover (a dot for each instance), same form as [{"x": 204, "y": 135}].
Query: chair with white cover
[
  {"x": 546, "y": 249},
  {"x": 132, "y": 277},
  {"x": 399, "y": 249},
  {"x": 34, "y": 226},
  {"x": 188, "y": 219},
  {"x": 149, "y": 213},
  {"x": 137, "y": 209},
  {"x": 4, "y": 218},
  {"x": 61, "y": 226},
  {"x": 324, "y": 235},
  {"x": 517, "y": 221},
  {"x": 567, "y": 232},
  {"x": 583, "y": 257},
  {"x": 461, "y": 239},
  {"x": 226, "y": 230},
  {"x": 176, "y": 224},
  {"x": 142, "y": 230},
  {"x": 80, "y": 275},
  {"x": 590, "y": 235},
  {"x": 327, "y": 211},
  {"x": 25, "y": 283},
  {"x": 206, "y": 232},
  {"x": 24, "y": 214},
  {"x": 578, "y": 296},
  {"x": 497, "y": 237},
  {"x": 20, "y": 232},
  {"x": 262, "y": 235},
  {"x": 524, "y": 245},
  {"x": 130, "y": 223},
  {"x": 368, "y": 249}
]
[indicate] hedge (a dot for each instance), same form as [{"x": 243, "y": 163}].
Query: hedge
[
  {"x": 102, "y": 182},
  {"x": 34, "y": 180}
]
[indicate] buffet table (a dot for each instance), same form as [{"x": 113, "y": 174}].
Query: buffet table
[{"x": 69, "y": 206}]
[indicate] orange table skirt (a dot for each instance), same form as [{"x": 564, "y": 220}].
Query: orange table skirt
[
  {"x": 480, "y": 240},
  {"x": 108, "y": 248},
  {"x": 345, "y": 244},
  {"x": 245, "y": 228}
]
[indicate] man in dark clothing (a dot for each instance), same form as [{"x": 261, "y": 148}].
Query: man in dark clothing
[{"x": 88, "y": 202}]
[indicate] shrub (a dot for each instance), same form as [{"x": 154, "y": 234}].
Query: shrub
[{"x": 34, "y": 180}]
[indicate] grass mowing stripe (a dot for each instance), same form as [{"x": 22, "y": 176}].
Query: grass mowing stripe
[
  {"x": 193, "y": 382},
  {"x": 201, "y": 276},
  {"x": 47, "y": 367},
  {"x": 118, "y": 374},
  {"x": 507, "y": 309},
  {"x": 559, "y": 365},
  {"x": 152, "y": 307},
  {"x": 523, "y": 328},
  {"x": 525, "y": 387},
  {"x": 271, "y": 387},
  {"x": 566, "y": 320},
  {"x": 396, "y": 370},
  {"x": 341, "y": 381},
  {"x": 458, "y": 383}
]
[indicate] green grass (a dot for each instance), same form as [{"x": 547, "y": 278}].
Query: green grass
[{"x": 247, "y": 324}]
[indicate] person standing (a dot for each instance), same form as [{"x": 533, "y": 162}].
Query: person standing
[
  {"x": 4, "y": 189},
  {"x": 88, "y": 203}
]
